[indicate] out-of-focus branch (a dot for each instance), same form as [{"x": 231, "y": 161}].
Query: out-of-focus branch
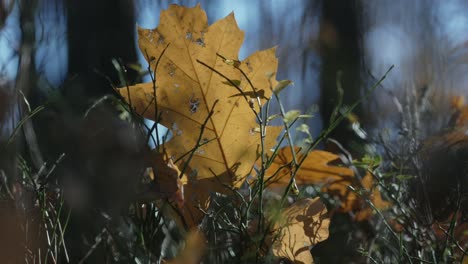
[
  {"x": 5, "y": 8},
  {"x": 340, "y": 50},
  {"x": 26, "y": 78}
]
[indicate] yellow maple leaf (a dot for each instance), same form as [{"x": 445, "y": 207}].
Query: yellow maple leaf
[
  {"x": 190, "y": 92},
  {"x": 318, "y": 168},
  {"x": 302, "y": 225}
]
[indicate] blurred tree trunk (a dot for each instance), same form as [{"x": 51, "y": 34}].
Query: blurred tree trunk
[
  {"x": 99, "y": 31},
  {"x": 341, "y": 51}
]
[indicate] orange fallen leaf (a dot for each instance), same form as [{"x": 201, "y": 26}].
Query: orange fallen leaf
[
  {"x": 360, "y": 205},
  {"x": 193, "y": 250},
  {"x": 460, "y": 116},
  {"x": 315, "y": 169},
  {"x": 165, "y": 180},
  {"x": 319, "y": 169},
  {"x": 302, "y": 225},
  {"x": 459, "y": 235}
]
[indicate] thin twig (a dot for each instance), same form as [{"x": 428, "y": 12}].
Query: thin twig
[{"x": 200, "y": 136}]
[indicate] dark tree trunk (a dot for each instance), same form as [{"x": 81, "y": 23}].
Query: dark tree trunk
[
  {"x": 103, "y": 153},
  {"x": 340, "y": 47},
  {"x": 98, "y": 32},
  {"x": 341, "y": 52}
]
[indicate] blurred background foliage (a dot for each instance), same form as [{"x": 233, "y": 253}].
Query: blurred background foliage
[{"x": 73, "y": 50}]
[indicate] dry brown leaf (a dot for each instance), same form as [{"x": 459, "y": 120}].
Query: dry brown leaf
[
  {"x": 318, "y": 169},
  {"x": 301, "y": 226},
  {"x": 360, "y": 206},
  {"x": 187, "y": 91},
  {"x": 460, "y": 115},
  {"x": 459, "y": 234},
  {"x": 165, "y": 180},
  {"x": 193, "y": 251}
]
